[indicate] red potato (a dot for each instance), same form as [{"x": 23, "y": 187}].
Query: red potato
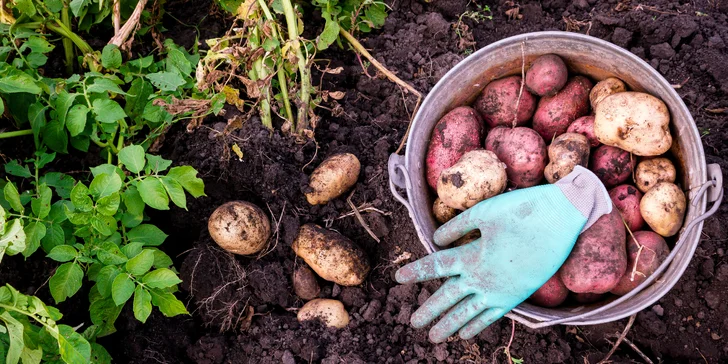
[
  {"x": 587, "y": 297},
  {"x": 626, "y": 199},
  {"x": 497, "y": 102},
  {"x": 458, "y": 132},
  {"x": 547, "y": 75},
  {"x": 585, "y": 126},
  {"x": 551, "y": 294},
  {"x": 612, "y": 165},
  {"x": 642, "y": 262},
  {"x": 522, "y": 150},
  {"x": 599, "y": 257},
  {"x": 555, "y": 113}
]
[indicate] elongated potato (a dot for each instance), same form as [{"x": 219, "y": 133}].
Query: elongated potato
[
  {"x": 331, "y": 255},
  {"x": 443, "y": 213},
  {"x": 663, "y": 208},
  {"x": 566, "y": 152},
  {"x": 332, "y": 178},
  {"x": 642, "y": 262},
  {"x": 634, "y": 121},
  {"x": 604, "y": 88},
  {"x": 304, "y": 283},
  {"x": 477, "y": 176},
  {"x": 239, "y": 227},
  {"x": 651, "y": 171},
  {"x": 331, "y": 312}
]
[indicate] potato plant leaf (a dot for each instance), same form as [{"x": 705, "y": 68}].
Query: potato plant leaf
[{"x": 66, "y": 281}]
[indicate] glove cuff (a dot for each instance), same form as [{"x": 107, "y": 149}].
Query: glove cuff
[{"x": 587, "y": 193}]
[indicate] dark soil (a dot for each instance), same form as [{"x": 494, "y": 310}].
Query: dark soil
[{"x": 686, "y": 41}]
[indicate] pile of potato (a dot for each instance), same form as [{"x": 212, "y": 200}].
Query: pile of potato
[{"x": 516, "y": 137}]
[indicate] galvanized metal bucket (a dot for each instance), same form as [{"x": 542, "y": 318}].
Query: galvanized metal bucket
[{"x": 598, "y": 59}]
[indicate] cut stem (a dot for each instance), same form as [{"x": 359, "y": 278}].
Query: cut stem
[
  {"x": 305, "y": 93},
  {"x": 17, "y": 133},
  {"x": 67, "y": 43}
]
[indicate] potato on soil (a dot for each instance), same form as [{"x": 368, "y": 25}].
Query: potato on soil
[
  {"x": 663, "y": 208},
  {"x": 587, "y": 297},
  {"x": 478, "y": 175},
  {"x": 332, "y": 178},
  {"x": 304, "y": 283},
  {"x": 555, "y": 113},
  {"x": 626, "y": 199},
  {"x": 458, "y": 132},
  {"x": 651, "y": 171},
  {"x": 443, "y": 213},
  {"x": 239, "y": 227},
  {"x": 612, "y": 165},
  {"x": 634, "y": 121},
  {"x": 331, "y": 255},
  {"x": 566, "y": 152},
  {"x": 604, "y": 88},
  {"x": 497, "y": 103},
  {"x": 523, "y": 152},
  {"x": 585, "y": 126},
  {"x": 331, "y": 312},
  {"x": 599, "y": 257},
  {"x": 548, "y": 74},
  {"x": 642, "y": 262},
  {"x": 551, "y": 294}
]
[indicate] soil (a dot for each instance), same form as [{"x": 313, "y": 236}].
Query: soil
[{"x": 243, "y": 309}]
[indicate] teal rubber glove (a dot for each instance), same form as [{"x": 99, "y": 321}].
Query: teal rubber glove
[{"x": 526, "y": 235}]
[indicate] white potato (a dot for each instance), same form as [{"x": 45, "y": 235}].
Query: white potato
[
  {"x": 239, "y": 227},
  {"x": 331, "y": 312},
  {"x": 663, "y": 208},
  {"x": 651, "y": 171},
  {"x": 332, "y": 178},
  {"x": 331, "y": 255},
  {"x": 604, "y": 88},
  {"x": 477, "y": 176}
]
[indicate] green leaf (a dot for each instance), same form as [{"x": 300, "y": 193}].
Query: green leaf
[
  {"x": 63, "y": 253},
  {"x": 17, "y": 81},
  {"x": 141, "y": 263},
  {"x": 54, "y": 237},
  {"x": 134, "y": 207},
  {"x": 153, "y": 193},
  {"x": 111, "y": 57},
  {"x": 105, "y": 184},
  {"x": 175, "y": 191},
  {"x": 99, "y": 355},
  {"x": 81, "y": 142},
  {"x": 13, "y": 197},
  {"x": 76, "y": 120},
  {"x": 13, "y": 239},
  {"x": 54, "y": 136},
  {"x": 377, "y": 14},
  {"x": 106, "y": 225},
  {"x": 101, "y": 85},
  {"x": 137, "y": 97},
  {"x": 132, "y": 249},
  {"x": 329, "y": 34},
  {"x": 78, "y": 5},
  {"x": 63, "y": 103},
  {"x": 37, "y": 119},
  {"x": 34, "y": 232},
  {"x": 156, "y": 164},
  {"x": 167, "y": 303},
  {"x": 66, "y": 281},
  {"x": 105, "y": 279},
  {"x": 161, "y": 278},
  {"x": 161, "y": 260},
  {"x": 166, "y": 81},
  {"x": 103, "y": 313},
  {"x": 15, "y": 335},
  {"x": 108, "y": 111},
  {"x": 81, "y": 199},
  {"x": 15, "y": 169},
  {"x": 147, "y": 234},
  {"x": 122, "y": 289},
  {"x": 142, "y": 304},
  {"x": 187, "y": 177},
  {"x": 2, "y": 106},
  {"x": 108, "y": 169},
  {"x": 110, "y": 254},
  {"x": 63, "y": 183},
  {"x": 108, "y": 205},
  {"x": 41, "y": 206},
  {"x": 133, "y": 158},
  {"x": 55, "y": 6},
  {"x": 177, "y": 62},
  {"x": 72, "y": 346},
  {"x": 3, "y": 218},
  {"x": 44, "y": 159},
  {"x": 37, "y": 44},
  {"x": 25, "y": 7}
]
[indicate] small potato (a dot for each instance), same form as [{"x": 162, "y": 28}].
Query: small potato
[
  {"x": 458, "y": 132},
  {"x": 585, "y": 126},
  {"x": 522, "y": 150},
  {"x": 663, "y": 208},
  {"x": 331, "y": 255},
  {"x": 331, "y": 312},
  {"x": 642, "y": 262},
  {"x": 497, "y": 103},
  {"x": 332, "y": 178},
  {"x": 634, "y": 121},
  {"x": 239, "y": 227},
  {"x": 547, "y": 75},
  {"x": 551, "y": 294},
  {"x": 651, "y": 171},
  {"x": 443, "y": 213},
  {"x": 478, "y": 175},
  {"x": 627, "y": 200},
  {"x": 305, "y": 284},
  {"x": 612, "y": 165},
  {"x": 555, "y": 113},
  {"x": 604, "y": 88},
  {"x": 566, "y": 152}
]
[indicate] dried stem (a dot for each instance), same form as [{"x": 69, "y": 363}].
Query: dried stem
[
  {"x": 636, "y": 349},
  {"x": 619, "y": 339},
  {"x": 125, "y": 32},
  {"x": 523, "y": 82},
  {"x": 117, "y": 16},
  {"x": 360, "y": 218}
]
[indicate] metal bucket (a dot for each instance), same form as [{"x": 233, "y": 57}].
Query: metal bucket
[{"x": 597, "y": 59}]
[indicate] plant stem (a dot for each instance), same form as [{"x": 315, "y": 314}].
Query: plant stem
[
  {"x": 282, "y": 80},
  {"x": 67, "y": 43},
  {"x": 61, "y": 29},
  {"x": 260, "y": 74},
  {"x": 305, "y": 95},
  {"x": 12, "y": 134}
]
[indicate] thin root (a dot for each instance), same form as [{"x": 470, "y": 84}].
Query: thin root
[
  {"x": 360, "y": 218},
  {"x": 523, "y": 82},
  {"x": 619, "y": 339}
]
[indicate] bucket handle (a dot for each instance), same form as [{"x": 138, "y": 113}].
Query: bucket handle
[{"x": 714, "y": 189}]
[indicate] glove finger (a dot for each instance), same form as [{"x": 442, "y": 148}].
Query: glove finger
[
  {"x": 460, "y": 315},
  {"x": 449, "y": 294},
  {"x": 437, "y": 265},
  {"x": 478, "y": 324},
  {"x": 455, "y": 229}
]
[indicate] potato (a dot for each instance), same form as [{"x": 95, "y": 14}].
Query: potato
[
  {"x": 477, "y": 176},
  {"x": 599, "y": 257},
  {"x": 458, "y": 132},
  {"x": 633, "y": 121},
  {"x": 585, "y": 126},
  {"x": 332, "y": 178},
  {"x": 443, "y": 213},
  {"x": 304, "y": 283},
  {"x": 555, "y": 113},
  {"x": 331, "y": 255},
  {"x": 642, "y": 263},
  {"x": 651, "y": 171},
  {"x": 331, "y": 312},
  {"x": 663, "y": 208},
  {"x": 551, "y": 294},
  {"x": 626, "y": 199},
  {"x": 547, "y": 75},
  {"x": 497, "y": 103},
  {"x": 239, "y": 227},
  {"x": 566, "y": 152},
  {"x": 523, "y": 152},
  {"x": 612, "y": 165},
  {"x": 604, "y": 88}
]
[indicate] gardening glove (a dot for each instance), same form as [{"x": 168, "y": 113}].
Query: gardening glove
[{"x": 526, "y": 235}]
